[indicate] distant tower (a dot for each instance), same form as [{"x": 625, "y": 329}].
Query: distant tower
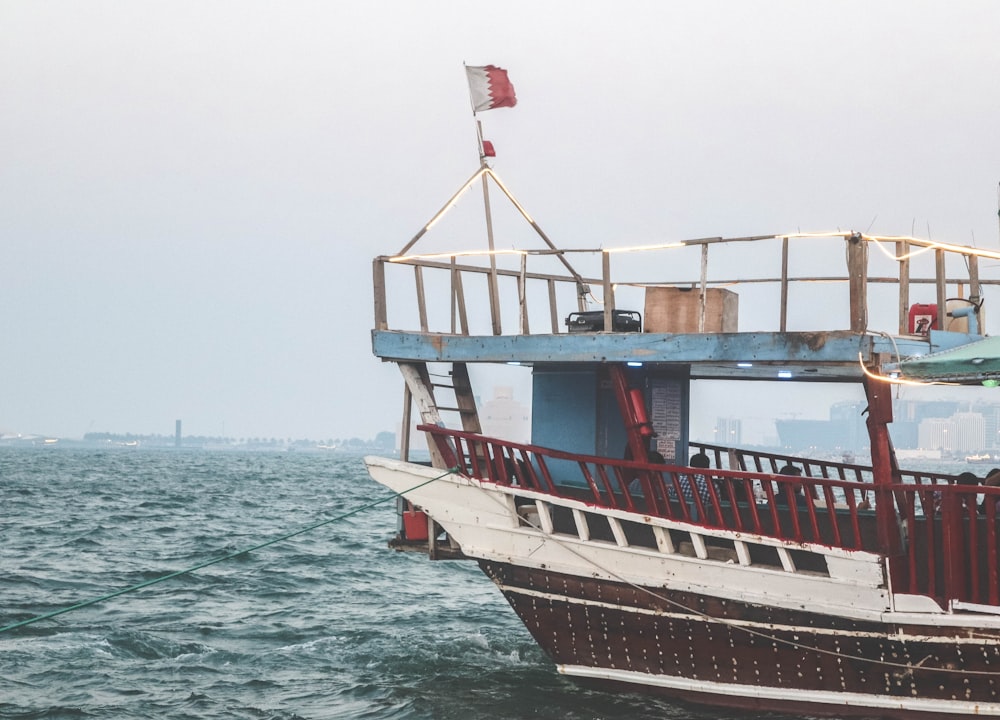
[{"x": 177, "y": 433}]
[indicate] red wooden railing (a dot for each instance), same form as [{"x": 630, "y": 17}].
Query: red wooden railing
[
  {"x": 750, "y": 460},
  {"x": 951, "y": 542},
  {"x": 801, "y": 509}
]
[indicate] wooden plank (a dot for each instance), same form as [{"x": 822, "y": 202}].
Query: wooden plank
[
  {"x": 502, "y": 272},
  {"x": 609, "y": 293},
  {"x": 418, "y": 381},
  {"x": 664, "y": 542},
  {"x": 783, "y": 309},
  {"x": 942, "y": 287},
  {"x": 975, "y": 291},
  {"x": 553, "y": 311},
  {"x": 618, "y": 531},
  {"x": 902, "y": 252},
  {"x": 404, "y": 433},
  {"x": 458, "y": 291},
  {"x": 421, "y": 299},
  {"x": 582, "y": 528},
  {"x": 857, "y": 274},
  {"x": 703, "y": 297},
  {"x": 545, "y": 517},
  {"x": 522, "y": 296},
  {"x": 465, "y": 398},
  {"x": 378, "y": 286}
]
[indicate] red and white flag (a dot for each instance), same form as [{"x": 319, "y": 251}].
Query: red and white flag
[{"x": 490, "y": 88}]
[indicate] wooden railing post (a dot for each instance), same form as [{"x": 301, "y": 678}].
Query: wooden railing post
[
  {"x": 553, "y": 310},
  {"x": 941, "y": 279},
  {"x": 609, "y": 293},
  {"x": 783, "y": 319},
  {"x": 703, "y": 292},
  {"x": 857, "y": 278},
  {"x": 522, "y": 292},
  {"x": 458, "y": 299},
  {"x": 418, "y": 273},
  {"x": 378, "y": 286},
  {"x": 975, "y": 292},
  {"x": 903, "y": 252}
]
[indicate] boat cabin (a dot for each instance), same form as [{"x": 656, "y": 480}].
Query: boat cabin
[{"x": 614, "y": 340}]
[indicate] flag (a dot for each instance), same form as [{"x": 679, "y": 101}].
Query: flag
[{"x": 490, "y": 88}]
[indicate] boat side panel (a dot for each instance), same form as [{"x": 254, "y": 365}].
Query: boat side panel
[{"x": 673, "y": 639}]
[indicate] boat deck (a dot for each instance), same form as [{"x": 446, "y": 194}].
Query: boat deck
[
  {"x": 810, "y": 356},
  {"x": 490, "y": 307}
]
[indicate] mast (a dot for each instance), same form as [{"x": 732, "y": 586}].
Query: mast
[{"x": 494, "y": 288}]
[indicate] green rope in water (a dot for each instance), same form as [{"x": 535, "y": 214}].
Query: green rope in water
[{"x": 230, "y": 556}]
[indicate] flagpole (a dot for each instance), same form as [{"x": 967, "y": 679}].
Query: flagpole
[{"x": 494, "y": 288}]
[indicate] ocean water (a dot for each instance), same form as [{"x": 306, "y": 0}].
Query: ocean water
[{"x": 329, "y": 624}]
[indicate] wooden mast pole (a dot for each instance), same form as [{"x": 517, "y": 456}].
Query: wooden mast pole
[{"x": 494, "y": 289}]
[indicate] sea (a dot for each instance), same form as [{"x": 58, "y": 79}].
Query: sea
[{"x": 330, "y": 623}]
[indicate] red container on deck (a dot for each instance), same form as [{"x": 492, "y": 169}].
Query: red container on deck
[
  {"x": 415, "y": 524},
  {"x": 923, "y": 317}
]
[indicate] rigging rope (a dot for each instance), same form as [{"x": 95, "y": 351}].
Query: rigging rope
[{"x": 230, "y": 556}]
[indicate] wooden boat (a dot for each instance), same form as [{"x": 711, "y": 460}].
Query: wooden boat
[{"x": 844, "y": 589}]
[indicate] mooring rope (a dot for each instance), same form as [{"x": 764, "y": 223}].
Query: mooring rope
[{"x": 215, "y": 561}]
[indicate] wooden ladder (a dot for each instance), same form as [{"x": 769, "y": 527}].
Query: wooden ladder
[{"x": 420, "y": 388}]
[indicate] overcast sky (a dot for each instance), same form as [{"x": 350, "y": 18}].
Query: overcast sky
[{"x": 191, "y": 193}]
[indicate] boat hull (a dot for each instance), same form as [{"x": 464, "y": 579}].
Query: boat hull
[
  {"x": 705, "y": 627},
  {"x": 724, "y": 652}
]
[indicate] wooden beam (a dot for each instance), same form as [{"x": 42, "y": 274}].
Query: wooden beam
[
  {"x": 609, "y": 293},
  {"x": 783, "y": 316},
  {"x": 458, "y": 295},
  {"x": 404, "y": 432},
  {"x": 902, "y": 252},
  {"x": 378, "y": 286},
  {"x": 522, "y": 296},
  {"x": 857, "y": 274},
  {"x": 942, "y": 288},
  {"x": 703, "y": 296},
  {"x": 465, "y": 398},
  {"x": 553, "y": 310},
  {"x": 418, "y": 381},
  {"x": 975, "y": 292},
  {"x": 421, "y": 299}
]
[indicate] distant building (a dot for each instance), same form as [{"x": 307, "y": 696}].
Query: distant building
[
  {"x": 729, "y": 432},
  {"x": 991, "y": 425},
  {"x": 962, "y": 432},
  {"x": 969, "y": 435},
  {"x": 936, "y": 434},
  {"x": 505, "y": 417}
]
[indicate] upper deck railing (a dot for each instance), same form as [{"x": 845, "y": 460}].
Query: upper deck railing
[{"x": 526, "y": 291}]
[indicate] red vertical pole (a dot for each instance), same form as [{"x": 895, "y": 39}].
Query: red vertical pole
[
  {"x": 637, "y": 430},
  {"x": 636, "y": 438},
  {"x": 883, "y": 467}
]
